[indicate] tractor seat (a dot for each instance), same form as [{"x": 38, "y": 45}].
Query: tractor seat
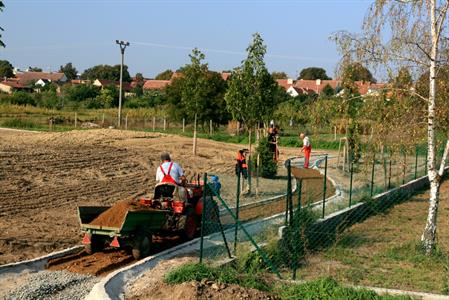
[{"x": 164, "y": 190}]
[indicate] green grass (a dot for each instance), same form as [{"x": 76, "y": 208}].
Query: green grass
[
  {"x": 320, "y": 289},
  {"x": 228, "y": 275},
  {"x": 328, "y": 288},
  {"x": 19, "y": 123}
]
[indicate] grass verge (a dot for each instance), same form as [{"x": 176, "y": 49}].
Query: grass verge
[{"x": 323, "y": 288}]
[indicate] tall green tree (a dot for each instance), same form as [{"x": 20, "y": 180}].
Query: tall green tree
[
  {"x": 313, "y": 73},
  {"x": 69, "y": 70},
  {"x": 166, "y": 75},
  {"x": 198, "y": 94},
  {"x": 250, "y": 97},
  {"x": 6, "y": 69},
  {"x": 106, "y": 72}
]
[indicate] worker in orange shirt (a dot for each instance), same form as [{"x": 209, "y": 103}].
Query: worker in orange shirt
[{"x": 306, "y": 148}]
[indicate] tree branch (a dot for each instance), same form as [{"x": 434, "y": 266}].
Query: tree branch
[{"x": 443, "y": 159}]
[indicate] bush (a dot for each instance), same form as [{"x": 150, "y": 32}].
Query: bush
[
  {"x": 20, "y": 98},
  {"x": 268, "y": 167}
]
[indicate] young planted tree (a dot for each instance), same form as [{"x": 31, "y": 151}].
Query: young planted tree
[
  {"x": 194, "y": 92},
  {"x": 410, "y": 33},
  {"x": 251, "y": 93}
]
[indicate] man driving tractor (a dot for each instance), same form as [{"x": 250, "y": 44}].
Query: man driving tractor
[{"x": 171, "y": 173}]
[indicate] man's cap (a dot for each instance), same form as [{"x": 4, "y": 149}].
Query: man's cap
[{"x": 165, "y": 156}]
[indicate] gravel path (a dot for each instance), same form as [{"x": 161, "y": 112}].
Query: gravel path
[{"x": 57, "y": 285}]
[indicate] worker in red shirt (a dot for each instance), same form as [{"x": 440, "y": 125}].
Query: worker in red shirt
[{"x": 306, "y": 148}]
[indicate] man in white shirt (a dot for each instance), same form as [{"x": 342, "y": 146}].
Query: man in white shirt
[{"x": 169, "y": 172}]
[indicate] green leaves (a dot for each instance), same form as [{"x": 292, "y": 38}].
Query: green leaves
[{"x": 251, "y": 93}]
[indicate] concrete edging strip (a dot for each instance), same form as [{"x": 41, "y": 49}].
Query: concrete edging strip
[{"x": 37, "y": 264}]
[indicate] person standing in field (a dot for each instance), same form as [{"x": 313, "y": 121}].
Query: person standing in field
[{"x": 306, "y": 148}]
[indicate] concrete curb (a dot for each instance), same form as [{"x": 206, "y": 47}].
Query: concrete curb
[
  {"x": 37, "y": 264},
  {"x": 112, "y": 286}
]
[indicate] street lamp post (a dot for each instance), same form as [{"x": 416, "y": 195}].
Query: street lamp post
[{"x": 123, "y": 46}]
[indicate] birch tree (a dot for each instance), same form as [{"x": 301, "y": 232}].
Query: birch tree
[{"x": 412, "y": 33}]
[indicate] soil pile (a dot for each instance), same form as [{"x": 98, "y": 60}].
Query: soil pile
[
  {"x": 115, "y": 215},
  {"x": 302, "y": 173},
  {"x": 202, "y": 290}
]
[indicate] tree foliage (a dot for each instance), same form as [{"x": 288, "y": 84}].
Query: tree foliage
[
  {"x": 410, "y": 34},
  {"x": 106, "y": 72},
  {"x": 313, "y": 73},
  {"x": 279, "y": 75},
  {"x": 250, "y": 95},
  {"x": 166, "y": 75},
  {"x": 69, "y": 70},
  {"x": 34, "y": 69},
  {"x": 6, "y": 69},
  {"x": 198, "y": 92}
]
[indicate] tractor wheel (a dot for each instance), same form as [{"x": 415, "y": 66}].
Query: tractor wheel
[
  {"x": 96, "y": 245},
  {"x": 190, "y": 226},
  {"x": 142, "y": 245}
]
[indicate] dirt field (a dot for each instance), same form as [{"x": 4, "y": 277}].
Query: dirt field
[
  {"x": 384, "y": 250},
  {"x": 44, "y": 176}
]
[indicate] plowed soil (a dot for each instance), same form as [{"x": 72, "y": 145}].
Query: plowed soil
[{"x": 45, "y": 176}]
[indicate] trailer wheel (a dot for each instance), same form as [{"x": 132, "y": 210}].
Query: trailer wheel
[
  {"x": 96, "y": 244},
  {"x": 190, "y": 225},
  {"x": 142, "y": 245}
]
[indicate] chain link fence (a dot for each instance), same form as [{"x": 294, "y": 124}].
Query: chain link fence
[{"x": 326, "y": 227}]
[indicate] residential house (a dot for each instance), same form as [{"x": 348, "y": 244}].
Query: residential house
[
  {"x": 12, "y": 85},
  {"x": 26, "y": 78},
  {"x": 154, "y": 84}
]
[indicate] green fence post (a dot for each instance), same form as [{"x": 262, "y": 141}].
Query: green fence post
[
  {"x": 289, "y": 191},
  {"x": 299, "y": 189},
  {"x": 416, "y": 162},
  {"x": 389, "y": 176},
  {"x": 404, "y": 168},
  {"x": 249, "y": 174},
  {"x": 237, "y": 208},
  {"x": 372, "y": 175},
  {"x": 324, "y": 185},
  {"x": 203, "y": 216},
  {"x": 351, "y": 170}
]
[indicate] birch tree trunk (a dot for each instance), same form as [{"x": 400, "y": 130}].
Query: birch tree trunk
[{"x": 428, "y": 237}]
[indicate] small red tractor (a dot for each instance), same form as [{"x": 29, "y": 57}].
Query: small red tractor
[{"x": 173, "y": 209}]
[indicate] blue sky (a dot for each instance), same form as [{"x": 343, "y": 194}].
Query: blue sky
[{"x": 49, "y": 33}]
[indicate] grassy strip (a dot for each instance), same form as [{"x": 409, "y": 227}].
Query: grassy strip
[
  {"x": 228, "y": 275},
  {"x": 328, "y": 288},
  {"x": 323, "y": 288}
]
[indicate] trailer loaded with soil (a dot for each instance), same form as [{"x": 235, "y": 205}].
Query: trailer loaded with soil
[{"x": 131, "y": 224}]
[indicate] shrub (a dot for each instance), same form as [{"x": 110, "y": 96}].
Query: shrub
[
  {"x": 268, "y": 167},
  {"x": 20, "y": 98}
]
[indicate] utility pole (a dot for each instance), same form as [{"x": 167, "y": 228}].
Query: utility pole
[{"x": 123, "y": 46}]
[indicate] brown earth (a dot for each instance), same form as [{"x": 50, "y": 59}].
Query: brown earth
[
  {"x": 45, "y": 176},
  {"x": 202, "y": 290},
  {"x": 150, "y": 285}
]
